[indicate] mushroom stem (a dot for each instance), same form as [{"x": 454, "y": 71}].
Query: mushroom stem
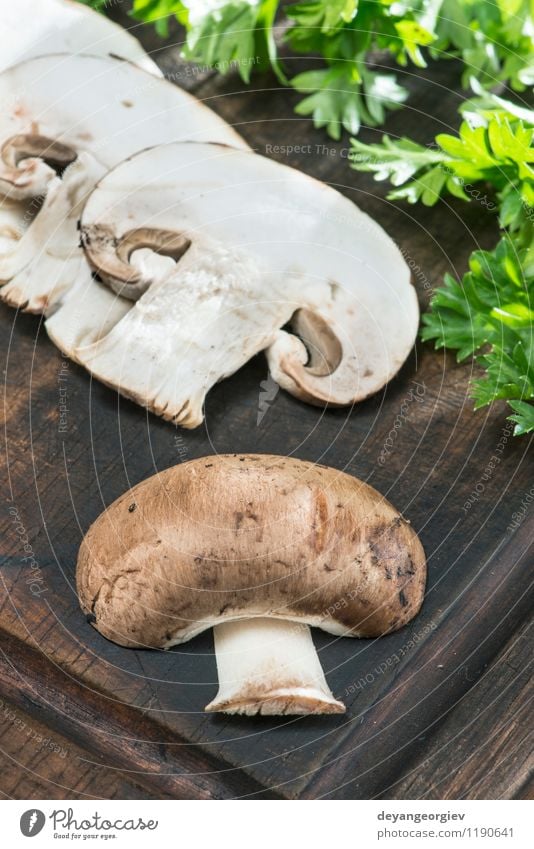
[{"x": 269, "y": 666}]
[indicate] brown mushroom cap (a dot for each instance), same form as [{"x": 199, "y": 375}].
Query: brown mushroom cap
[{"x": 235, "y": 537}]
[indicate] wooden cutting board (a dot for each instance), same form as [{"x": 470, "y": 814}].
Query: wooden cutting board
[{"x": 460, "y": 478}]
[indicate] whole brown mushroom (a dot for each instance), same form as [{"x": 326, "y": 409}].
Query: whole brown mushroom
[{"x": 258, "y": 547}]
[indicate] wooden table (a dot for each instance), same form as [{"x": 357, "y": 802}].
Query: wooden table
[{"x": 438, "y": 710}]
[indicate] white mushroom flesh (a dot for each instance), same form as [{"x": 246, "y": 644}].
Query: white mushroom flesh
[
  {"x": 73, "y": 118},
  {"x": 188, "y": 331},
  {"x": 269, "y": 667},
  {"x": 36, "y": 27},
  {"x": 293, "y": 247}
]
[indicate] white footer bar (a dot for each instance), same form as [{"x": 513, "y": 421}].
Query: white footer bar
[{"x": 264, "y": 824}]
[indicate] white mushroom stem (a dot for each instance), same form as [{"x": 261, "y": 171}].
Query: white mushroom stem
[
  {"x": 197, "y": 325},
  {"x": 269, "y": 666}
]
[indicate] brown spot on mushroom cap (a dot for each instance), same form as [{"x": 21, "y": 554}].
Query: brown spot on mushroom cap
[{"x": 183, "y": 565}]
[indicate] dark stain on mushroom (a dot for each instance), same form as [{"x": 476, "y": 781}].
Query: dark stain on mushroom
[
  {"x": 403, "y": 600},
  {"x": 407, "y": 570}
]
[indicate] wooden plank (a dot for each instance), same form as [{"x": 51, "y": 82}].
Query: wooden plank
[
  {"x": 162, "y": 763},
  {"x": 36, "y": 763},
  {"x": 483, "y": 748},
  {"x": 56, "y": 625}
]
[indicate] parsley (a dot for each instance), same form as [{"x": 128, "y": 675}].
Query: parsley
[
  {"x": 158, "y": 12},
  {"x": 490, "y": 314},
  {"x": 497, "y": 148},
  {"x": 96, "y": 4},
  {"x": 493, "y": 40}
]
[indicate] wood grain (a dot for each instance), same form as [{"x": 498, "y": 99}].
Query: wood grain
[
  {"x": 141, "y": 711},
  {"x": 164, "y": 764},
  {"x": 483, "y": 748},
  {"x": 37, "y": 763}
]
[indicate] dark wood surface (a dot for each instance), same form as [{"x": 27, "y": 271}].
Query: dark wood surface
[{"x": 428, "y": 707}]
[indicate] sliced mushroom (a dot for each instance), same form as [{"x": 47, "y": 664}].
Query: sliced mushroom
[
  {"x": 36, "y": 27},
  {"x": 29, "y": 163},
  {"x": 257, "y": 547},
  {"x": 267, "y": 245},
  {"x": 14, "y": 218},
  {"x": 66, "y": 106}
]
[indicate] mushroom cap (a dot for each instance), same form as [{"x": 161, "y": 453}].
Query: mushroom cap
[
  {"x": 67, "y": 106},
  {"x": 320, "y": 258},
  {"x": 35, "y": 27},
  {"x": 239, "y": 536}
]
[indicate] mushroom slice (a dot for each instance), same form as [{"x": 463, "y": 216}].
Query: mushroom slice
[
  {"x": 14, "y": 217},
  {"x": 191, "y": 328},
  {"x": 35, "y": 27},
  {"x": 258, "y": 547},
  {"x": 48, "y": 257},
  {"x": 66, "y": 106},
  {"x": 267, "y": 245},
  {"x": 30, "y": 162}
]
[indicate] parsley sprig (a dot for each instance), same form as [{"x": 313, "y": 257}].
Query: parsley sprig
[
  {"x": 490, "y": 313},
  {"x": 349, "y": 86},
  {"x": 496, "y": 148}
]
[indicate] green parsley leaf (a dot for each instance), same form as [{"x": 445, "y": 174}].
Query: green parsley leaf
[
  {"x": 490, "y": 315},
  {"x": 523, "y": 417},
  {"x": 345, "y": 96},
  {"x": 158, "y": 12}
]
